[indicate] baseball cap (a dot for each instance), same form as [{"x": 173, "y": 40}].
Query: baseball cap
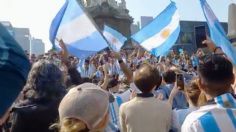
[{"x": 87, "y": 103}]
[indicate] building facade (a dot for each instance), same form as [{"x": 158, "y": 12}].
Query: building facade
[
  {"x": 187, "y": 37},
  {"x": 111, "y": 13},
  {"x": 24, "y": 39},
  {"x": 38, "y": 47},
  {"x": 134, "y": 28}
]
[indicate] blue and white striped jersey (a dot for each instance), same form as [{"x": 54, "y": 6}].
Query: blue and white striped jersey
[
  {"x": 114, "y": 124},
  {"x": 219, "y": 116}
]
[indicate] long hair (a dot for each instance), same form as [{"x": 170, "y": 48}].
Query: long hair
[
  {"x": 45, "y": 81},
  {"x": 194, "y": 93},
  {"x": 75, "y": 125}
]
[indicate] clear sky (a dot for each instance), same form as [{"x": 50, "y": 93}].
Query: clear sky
[{"x": 38, "y": 14}]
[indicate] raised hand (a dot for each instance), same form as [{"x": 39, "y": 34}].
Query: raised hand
[
  {"x": 210, "y": 44},
  {"x": 64, "y": 52}
]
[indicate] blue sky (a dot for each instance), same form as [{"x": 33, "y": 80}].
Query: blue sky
[
  {"x": 188, "y": 9},
  {"x": 38, "y": 14}
]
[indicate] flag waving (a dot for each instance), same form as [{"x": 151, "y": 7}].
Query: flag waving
[
  {"x": 78, "y": 32},
  {"x": 218, "y": 34},
  {"x": 161, "y": 34},
  {"x": 115, "y": 38}
]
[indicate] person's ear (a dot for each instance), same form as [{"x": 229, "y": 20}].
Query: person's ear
[
  {"x": 233, "y": 80},
  {"x": 201, "y": 85}
]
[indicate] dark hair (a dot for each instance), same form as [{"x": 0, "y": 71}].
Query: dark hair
[
  {"x": 146, "y": 78},
  {"x": 86, "y": 80},
  {"x": 169, "y": 76},
  {"x": 112, "y": 83},
  {"x": 217, "y": 73},
  {"x": 75, "y": 76},
  {"x": 45, "y": 80},
  {"x": 86, "y": 61}
]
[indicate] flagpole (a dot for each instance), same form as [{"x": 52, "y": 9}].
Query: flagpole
[{"x": 93, "y": 22}]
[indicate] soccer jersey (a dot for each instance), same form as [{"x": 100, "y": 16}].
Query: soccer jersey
[
  {"x": 114, "y": 124},
  {"x": 218, "y": 116}
]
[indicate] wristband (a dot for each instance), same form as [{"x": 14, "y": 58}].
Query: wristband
[{"x": 120, "y": 61}]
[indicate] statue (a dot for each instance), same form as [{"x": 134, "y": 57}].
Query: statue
[
  {"x": 113, "y": 3},
  {"x": 123, "y": 4},
  {"x": 110, "y": 12},
  {"x": 91, "y": 3}
]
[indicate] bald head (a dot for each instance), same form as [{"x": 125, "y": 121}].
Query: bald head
[{"x": 146, "y": 78}]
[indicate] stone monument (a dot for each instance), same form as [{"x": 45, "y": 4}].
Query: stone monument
[
  {"x": 111, "y": 13},
  {"x": 232, "y": 24}
]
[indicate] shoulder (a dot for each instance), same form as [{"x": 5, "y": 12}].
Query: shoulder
[
  {"x": 128, "y": 104},
  {"x": 33, "y": 107},
  {"x": 194, "y": 126},
  {"x": 123, "y": 108},
  {"x": 24, "y": 108},
  {"x": 183, "y": 112},
  {"x": 23, "y": 105},
  {"x": 192, "y": 123}
]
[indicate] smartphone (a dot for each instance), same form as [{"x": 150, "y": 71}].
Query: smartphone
[
  {"x": 180, "y": 81},
  {"x": 201, "y": 35}
]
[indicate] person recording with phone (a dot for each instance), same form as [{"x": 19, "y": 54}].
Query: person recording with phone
[
  {"x": 194, "y": 97},
  {"x": 170, "y": 78}
]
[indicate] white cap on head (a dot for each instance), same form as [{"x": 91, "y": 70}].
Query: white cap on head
[
  {"x": 232, "y": 22},
  {"x": 87, "y": 103}
]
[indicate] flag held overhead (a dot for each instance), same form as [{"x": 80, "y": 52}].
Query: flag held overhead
[
  {"x": 116, "y": 39},
  {"x": 161, "y": 34},
  {"x": 217, "y": 33},
  {"x": 78, "y": 32}
]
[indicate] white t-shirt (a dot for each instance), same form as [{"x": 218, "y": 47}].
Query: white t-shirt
[{"x": 126, "y": 95}]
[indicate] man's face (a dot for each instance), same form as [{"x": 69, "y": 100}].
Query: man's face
[{"x": 234, "y": 76}]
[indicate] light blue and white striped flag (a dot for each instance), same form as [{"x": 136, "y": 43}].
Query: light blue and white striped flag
[
  {"x": 116, "y": 39},
  {"x": 78, "y": 32},
  {"x": 161, "y": 34},
  {"x": 218, "y": 34}
]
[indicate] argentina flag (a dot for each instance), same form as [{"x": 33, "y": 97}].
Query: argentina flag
[
  {"x": 116, "y": 39},
  {"x": 160, "y": 35},
  {"x": 78, "y": 32},
  {"x": 218, "y": 34}
]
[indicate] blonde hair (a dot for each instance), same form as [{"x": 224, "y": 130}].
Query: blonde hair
[
  {"x": 69, "y": 125},
  {"x": 75, "y": 125},
  {"x": 72, "y": 125},
  {"x": 202, "y": 100},
  {"x": 194, "y": 93}
]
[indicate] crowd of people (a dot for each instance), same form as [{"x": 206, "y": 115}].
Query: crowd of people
[{"x": 129, "y": 91}]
